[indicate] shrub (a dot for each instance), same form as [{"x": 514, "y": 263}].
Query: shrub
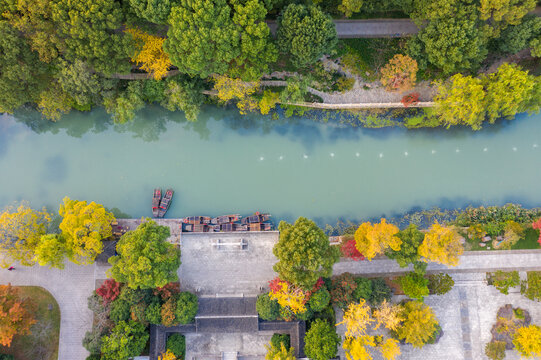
[
  {"x": 363, "y": 290},
  {"x": 503, "y": 280},
  {"x": 349, "y": 250},
  {"x": 177, "y": 344},
  {"x": 321, "y": 341},
  {"x": 137, "y": 313},
  {"x": 278, "y": 339},
  {"x": 92, "y": 340},
  {"x": 320, "y": 299},
  {"x": 414, "y": 285},
  {"x": 532, "y": 287},
  {"x": 380, "y": 292},
  {"x": 527, "y": 341},
  {"x": 120, "y": 311},
  {"x": 136, "y": 296},
  {"x": 167, "y": 312},
  {"x": 306, "y": 315},
  {"x": 267, "y": 308},
  {"x": 152, "y": 313},
  {"x": 8, "y": 357},
  {"x": 513, "y": 232},
  {"x": 186, "y": 308},
  {"x": 440, "y": 284},
  {"x": 345, "y": 84},
  {"x": 495, "y": 350},
  {"x": 109, "y": 290},
  {"x": 342, "y": 290}
]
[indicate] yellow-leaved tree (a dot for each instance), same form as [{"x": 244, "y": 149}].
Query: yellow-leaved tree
[
  {"x": 527, "y": 341},
  {"x": 239, "y": 90},
  {"x": 419, "y": 325},
  {"x": 84, "y": 226},
  {"x": 356, "y": 348},
  {"x": 387, "y": 314},
  {"x": 21, "y": 229},
  {"x": 389, "y": 349},
  {"x": 168, "y": 355},
  {"x": 442, "y": 245},
  {"x": 357, "y": 319},
  {"x": 274, "y": 353},
  {"x": 149, "y": 53},
  {"x": 290, "y": 296},
  {"x": 372, "y": 240}
]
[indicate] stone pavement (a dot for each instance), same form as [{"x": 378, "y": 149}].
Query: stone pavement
[
  {"x": 70, "y": 287},
  {"x": 471, "y": 261}
]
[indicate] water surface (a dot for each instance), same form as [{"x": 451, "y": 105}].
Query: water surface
[{"x": 227, "y": 163}]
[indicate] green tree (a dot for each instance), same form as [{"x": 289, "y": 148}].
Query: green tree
[
  {"x": 51, "y": 251},
  {"x": 124, "y": 104},
  {"x": 22, "y": 75},
  {"x": 304, "y": 253},
  {"x": 155, "y": 11},
  {"x": 414, "y": 285},
  {"x": 82, "y": 85},
  {"x": 88, "y": 29},
  {"x": 186, "y": 307},
  {"x": 145, "y": 259},
  {"x": 306, "y": 33},
  {"x": 21, "y": 230},
  {"x": 267, "y": 308},
  {"x": 127, "y": 339},
  {"x": 348, "y": 7},
  {"x": 54, "y": 102},
  {"x": 320, "y": 299},
  {"x": 509, "y": 91},
  {"x": 408, "y": 253},
  {"x": 500, "y": 13},
  {"x": 461, "y": 100},
  {"x": 454, "y": 43},
  {"x": 84, "y": 226},
  {"x": 440, "y": 284},
  {"x": 516, "y": 38},
  {"x": 321, "y": 341},
  {"x": 184, "y": 93}
]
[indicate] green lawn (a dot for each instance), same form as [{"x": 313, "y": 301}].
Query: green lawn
[
  {"x": 528, "y": 242},
  {"x": 42, "y": 344}
]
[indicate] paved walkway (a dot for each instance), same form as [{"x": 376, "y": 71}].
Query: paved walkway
[
  {"x": 372, "y": 28},
  {"x": 70, "y": 287},
  {"x": 471, "y": 261}
]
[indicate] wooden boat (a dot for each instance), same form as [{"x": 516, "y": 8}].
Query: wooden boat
[
  {"x": 200, "y": 228},
  {"x": 224, "y": 219},
  {"x": 227, "y": 227},
  {"x": 196, "y": 220},
  {"x": 240, "y": 227},
  {"x": 256, "y": 218},
  {"x": 165, "y": 203},
  {"x": 156, "y": 201}
]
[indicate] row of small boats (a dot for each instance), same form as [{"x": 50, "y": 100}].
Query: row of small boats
[
  {"x": 160, "y": 204},
  {"x": 227, "y": 223}
]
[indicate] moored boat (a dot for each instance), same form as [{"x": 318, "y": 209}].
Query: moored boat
[
  {"x": 196, "y": 220},
  {"x": 224, "y": 219},
  {"x": 157, "y": 197},
  {"x": 165, "y": 203},
  {"x": 255, "y": 218}
]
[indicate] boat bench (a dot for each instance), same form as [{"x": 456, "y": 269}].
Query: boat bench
[{"x": 230, "y": 245}]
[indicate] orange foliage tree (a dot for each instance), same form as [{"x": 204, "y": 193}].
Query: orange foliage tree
[
  {"x": 399, "y": 73},
  {"x": 15, "y": 315},
  {"x": 149, "y": 53},
  {"x": 372, "y": 240}
]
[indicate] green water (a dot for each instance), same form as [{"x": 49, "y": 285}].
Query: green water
[{"x": 227, "y": 163}]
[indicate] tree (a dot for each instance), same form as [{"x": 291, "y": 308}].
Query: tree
[
  {"x": 527, "y": 341},
  {"x": 306, "y": 33},
  {"x": 127, "y": 339},
  {"x": 516, "y": 38},
  {"x": 440, "y": 284},
  {"x": 241, "y": 91},
  {"x": 454, "y": 43},
  {"x": 414, "y": 285},
  {"x": 145, "y": 259},
  {"x": 536, "y": 47},
  {"x": 267, "y": 308},
  {"x": 348, "y": 248},
  {"x": 167, "y": 355},
  {"x": 357, "y": 319},
  {"x": 15, "y": 315},
  {"x": 124, "y": 104},
  {"x": 374, "y": 239},
  {"x": 442, "y": 245},
  {"x": 461, "y": 100},
  {"x": 167, "y": 312},
  {"x": 155, "y": 11},
  {"x": 53, "y": 102},
  {"x": 399, "y": 73},
  {"x": 495, "y": 350},
  {"x": 109, "y": 290},
  {"x": 184, "y": 93},
  {"x": 84, "y": 226},
  {"x": 355, "y": 347},
  {"x": 343, "y": 290},
  {"x": 176, "y": 343},
  {"x": 288, "y": 296},
  {"x": 389, "y": 349},
  {"x": 348, "y": 7},
  {"x": 419, "y": 324},
  {"x": 304, "y": 253},
  {"x": 88, "y": 29},
  {"x": 51, "y": 251},
  {"x": 186, "y": 307},
  {"x": 22, "y": 75},
  {"x": 21, "y": 230},
  {"x": 506, "y": 12},
  {"x": 508, "y": 90},
  {"x": 281, "y": 353},
  {"x": 408, "y": 253},
  {"x": 388, "y": 315},
  {"x": 321, "y": 341},
  {"x": 320, "y": 299},
  {"x": 149, "y": 53}
]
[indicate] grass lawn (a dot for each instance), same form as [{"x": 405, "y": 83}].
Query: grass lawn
[
  {"x": 42, "y": 343},
  {"x": 528, "y": 242}
]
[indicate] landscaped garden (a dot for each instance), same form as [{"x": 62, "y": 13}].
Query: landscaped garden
[{"x": 29, "y": 323}]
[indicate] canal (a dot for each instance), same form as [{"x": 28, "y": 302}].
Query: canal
[{"x": 227, "y": 163}]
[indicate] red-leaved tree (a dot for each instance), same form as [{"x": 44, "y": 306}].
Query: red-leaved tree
[
  {"x": 15, "y": 315},
  {"x": 537, "y": 226},
  {"x": 109, "y": 290},
  {"x": 349, "y": 250},
  {"x": 168, "y": 290}
]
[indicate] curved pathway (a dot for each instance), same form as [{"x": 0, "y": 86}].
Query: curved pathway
[{"x": 70, "y": 287}]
